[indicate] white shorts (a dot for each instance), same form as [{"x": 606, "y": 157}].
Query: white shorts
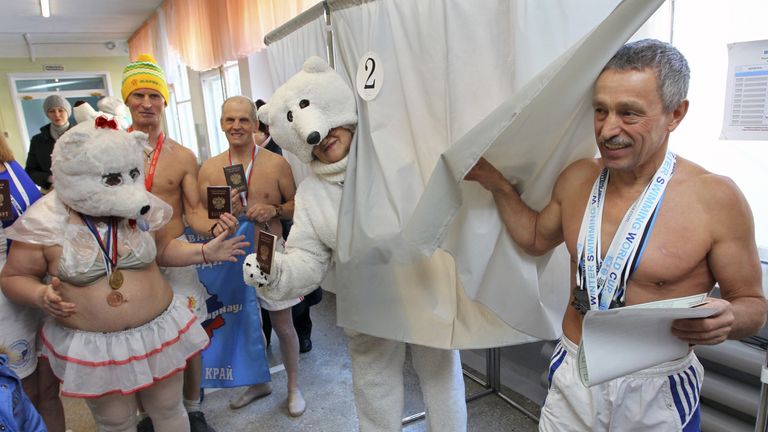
[
  {"x": 185, "y": 283},
  {"x": 662, "y": 398}
]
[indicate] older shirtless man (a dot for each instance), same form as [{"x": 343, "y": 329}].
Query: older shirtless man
[
  {"x": 171, "y": 174},
  {"x": 269, "y": 199},
  {"x": 703, "y": 234}
]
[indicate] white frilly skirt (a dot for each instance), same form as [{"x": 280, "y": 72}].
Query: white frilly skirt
[{"x": 93, "y": 364}]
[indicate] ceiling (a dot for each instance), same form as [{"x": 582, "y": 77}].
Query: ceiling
[{"x": 76, "y": 28}]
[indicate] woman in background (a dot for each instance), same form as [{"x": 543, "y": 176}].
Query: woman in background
[
  {"x": 58, "y": 110},
  {"x": 20, "y": 323}
]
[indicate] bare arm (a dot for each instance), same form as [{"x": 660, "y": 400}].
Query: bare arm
[
  {"x": 287, "y": 190},
  {"x": 734, "y": 262},
  {"x": 262, "y": 212},
  {"x": 177, "y": 253},
  {"x": 21, "y": 281},
  {"x": 535, "y": 232},
  {"x": 194, "y": 212}
]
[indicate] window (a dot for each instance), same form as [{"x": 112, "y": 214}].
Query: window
[
  {"x": 30, "y": 90},
  {"x": 181, "y": 124},
  {"x": 218, "y": 84},
  {"x": 697, "y": 138}
]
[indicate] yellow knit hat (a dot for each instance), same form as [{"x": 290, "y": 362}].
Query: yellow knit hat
[{"x": 144, "y": 73}]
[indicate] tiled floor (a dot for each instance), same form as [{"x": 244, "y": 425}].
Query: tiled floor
[{"x": 326, "y": 383}]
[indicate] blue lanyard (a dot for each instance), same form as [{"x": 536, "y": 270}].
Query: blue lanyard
[{"x": 606, "y": 280}]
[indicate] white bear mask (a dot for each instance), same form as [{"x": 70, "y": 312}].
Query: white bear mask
[
  {"x": 304, "y": 109},
  {"x": 98, "y": 169}
]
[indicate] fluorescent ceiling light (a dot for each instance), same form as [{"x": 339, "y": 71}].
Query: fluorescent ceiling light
[
  {"x": 45, "y": 8},
  {"x": 50, "y": 85}
]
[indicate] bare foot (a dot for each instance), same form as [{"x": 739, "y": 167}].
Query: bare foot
[
  {"x": 251, "y": 394},
  {"x": 296, "y": 403}
]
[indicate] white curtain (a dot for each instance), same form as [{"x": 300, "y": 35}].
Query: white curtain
[
  {"x": 447, "y": 66},
  {"x": 288, "y": 47}
]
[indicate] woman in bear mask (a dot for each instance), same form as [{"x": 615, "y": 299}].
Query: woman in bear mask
[
  {"x": 320, "y": 97},
  {"x": 114, "y": 331}
]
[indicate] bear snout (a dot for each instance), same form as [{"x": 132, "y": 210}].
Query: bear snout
[
  {"x": 313, "y": 138},
  {"x": 144, "y": 210}
]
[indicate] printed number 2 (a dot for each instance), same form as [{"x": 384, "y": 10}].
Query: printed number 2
[{"x": 370, "y": 82}]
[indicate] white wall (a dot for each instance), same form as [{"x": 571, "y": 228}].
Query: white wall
[
  {"x": 702, "y": 31},
  {"x": 260, "y": 77}
]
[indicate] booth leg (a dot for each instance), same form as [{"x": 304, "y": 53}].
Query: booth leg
[
  {"x": 762, "y": 410},
  {"x": 491, "y": 385}
]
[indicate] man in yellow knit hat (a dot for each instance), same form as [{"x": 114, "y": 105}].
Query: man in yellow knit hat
[
  {"x": 144, "y": 73},
  {"x": 171, "y": 174}
]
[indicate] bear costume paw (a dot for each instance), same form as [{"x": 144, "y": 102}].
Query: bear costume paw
[{"x": 252, "y": 273}]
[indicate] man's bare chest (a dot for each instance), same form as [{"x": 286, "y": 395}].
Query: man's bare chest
[{"x": 673, "y": 245}]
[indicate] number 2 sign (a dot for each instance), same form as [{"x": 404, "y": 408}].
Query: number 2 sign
[{"x": 370, "y": 76}]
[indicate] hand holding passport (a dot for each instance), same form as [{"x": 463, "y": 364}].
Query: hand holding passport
[{"x": 219, "y": 201}]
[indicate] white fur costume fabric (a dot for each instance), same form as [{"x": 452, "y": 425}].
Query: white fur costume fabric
[{"x": 99, "y": 170}]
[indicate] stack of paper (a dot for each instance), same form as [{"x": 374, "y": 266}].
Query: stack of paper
[{"x": 618, "y": 342}]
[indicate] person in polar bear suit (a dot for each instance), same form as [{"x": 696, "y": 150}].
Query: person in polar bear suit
[{"x": 313, "y": 115}]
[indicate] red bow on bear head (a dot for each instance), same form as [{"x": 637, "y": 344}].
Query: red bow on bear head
[{"x": 103, "y": 122}]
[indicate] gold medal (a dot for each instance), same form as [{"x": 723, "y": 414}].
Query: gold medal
[
  {"x": 116, "y": 279},
  {"x": 115, "y": 299}
]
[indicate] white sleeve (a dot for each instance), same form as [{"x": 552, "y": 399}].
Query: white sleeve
[{"x": 301, "y": 267}]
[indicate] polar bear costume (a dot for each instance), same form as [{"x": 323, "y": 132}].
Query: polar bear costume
[{"x": 300, "y": 114}]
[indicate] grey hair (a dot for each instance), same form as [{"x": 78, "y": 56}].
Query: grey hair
[
  {"x": 253, "y": 116},
  {"x": 672, "y": 71}
]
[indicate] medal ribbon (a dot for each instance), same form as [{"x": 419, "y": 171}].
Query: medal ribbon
[
  {"x": 606, "y": 281},
  {"x": 244, "y": 195},
  {"x": 110, "y": 248},
  {"x": 153, "y": 163}
]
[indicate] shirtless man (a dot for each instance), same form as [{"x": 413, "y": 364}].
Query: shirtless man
[
  {"x": 703, "y": 234},
  {"x": 269, "y": 199},
  {"x": 171, "y": 174}
]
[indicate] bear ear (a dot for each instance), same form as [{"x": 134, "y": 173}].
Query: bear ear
[
  {"x": 139, "y": 139},
  {"x": 70, "y": 145},
  {"x": 315, "y": 64},
  {"x": 84, "y": 112},
  {"x": 263, "y": 114}
]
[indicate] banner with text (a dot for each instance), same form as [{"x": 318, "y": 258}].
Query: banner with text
[{"x": 235, "y": 356}]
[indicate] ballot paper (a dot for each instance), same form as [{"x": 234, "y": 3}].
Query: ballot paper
[{"x": 618, "y": 342}]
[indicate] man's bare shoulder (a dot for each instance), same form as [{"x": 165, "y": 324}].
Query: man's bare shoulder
[
  {"x": 274, "y": 162},
  {"x": 181, "y": 155},
  {"x": 217, "y": 162},
  {"x": 584, "y": 167},
  {"x": 716, "y": 195},
  {"x": 578, "y": 173},
  {"x": 271, "y": 158}
]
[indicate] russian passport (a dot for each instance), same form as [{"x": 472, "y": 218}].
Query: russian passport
[
  {"x": 6, "y": 211},
  {"x": 265, "y": 250},
  {"x": 235, "y": 176},
  {"x": 219, "y": 201}
]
